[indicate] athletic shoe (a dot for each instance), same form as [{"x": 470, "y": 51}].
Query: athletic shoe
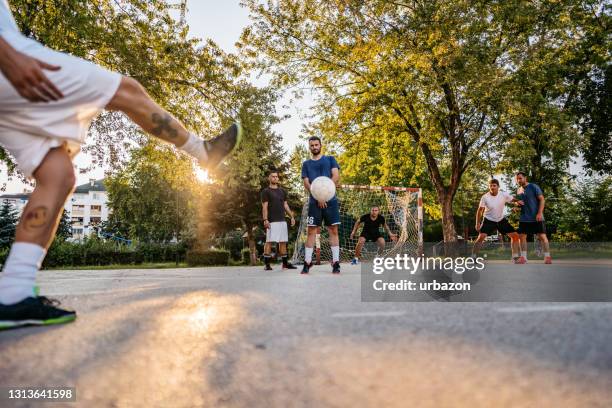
[
  {"x": 34, "y": 311},
  {"x": 336, "y": 267},
  {"x": 289, "y": 265},
  {"x": 267, "y": 268},
  {"x": 355, "y": 261},
  {"x": 515, "y": 259},
  {"x": 306, "y": 268},
  {"x": 547, "y": 260},
  {"x": 521, "y": 260},
  {"x": 222, "y": 145}
]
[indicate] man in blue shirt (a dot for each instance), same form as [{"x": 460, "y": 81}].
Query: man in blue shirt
[
  {"x": 318, "y": 211},
  {"x": 532, "y": 216}
]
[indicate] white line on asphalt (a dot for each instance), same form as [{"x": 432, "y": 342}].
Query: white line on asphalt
[
  {"x": 369, "y": 314},
  {"x": 554, "y": 308}
]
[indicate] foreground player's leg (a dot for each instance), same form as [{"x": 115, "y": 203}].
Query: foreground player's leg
[
  {"x": 19, "y": 305},
  {"x": 312, "y": 232},
  {"x": 523, "y": 245},
  {"x": 545, "y": 248},
  {"x": 478, "y": 244},
  {"x": 360, "y": 242},
  {"x": 334, "y": 243},
  {"x": 282, "y": 250},
  {"x": 267, "y": 256},
  {"x": 318, "y": 246},
  {"x": 132, "y": 99},
  {"x": 381, "y": 245},
  {"x": 515, "y": 243}
]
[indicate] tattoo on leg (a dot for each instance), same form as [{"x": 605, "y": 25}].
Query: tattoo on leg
[
  {"x": 163, "y": 123},
  {"x": 36, "y": 218}
]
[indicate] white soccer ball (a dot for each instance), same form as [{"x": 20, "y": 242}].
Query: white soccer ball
[{"x": 323, "y": 189}]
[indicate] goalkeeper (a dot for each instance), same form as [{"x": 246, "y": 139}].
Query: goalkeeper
[{"x": 371, "y": 232}]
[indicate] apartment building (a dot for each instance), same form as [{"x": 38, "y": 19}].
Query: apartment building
[{"x": 86, "y": 207}]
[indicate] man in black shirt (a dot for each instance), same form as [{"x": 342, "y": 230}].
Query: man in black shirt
[
  {"x": 371, "y": 231},
  {"x": 274, "y": 205}
]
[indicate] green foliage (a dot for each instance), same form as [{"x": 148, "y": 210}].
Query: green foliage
[
  {"x": 594, "y": 107},
  {"x": 207, "y": 258},
  {"x": 64, "y": 229},
  {"x": 8, "y": 224},
  {"x": 586, "y": 212},
  {"x": 151, "y": 198}
]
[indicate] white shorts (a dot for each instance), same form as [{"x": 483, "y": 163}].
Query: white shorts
[
  {"x": 29, "y": 130},
  {"x": 277, "y": 232}
]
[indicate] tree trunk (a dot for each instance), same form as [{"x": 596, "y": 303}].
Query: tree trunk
[
  {"x": 448, "y": 221},
  {"x": 252, "y": 247}
]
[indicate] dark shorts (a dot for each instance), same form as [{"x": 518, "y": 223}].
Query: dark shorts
[
  {"x": 370, "y": 238},
  {"x": 533, "y": 227},
  {"x": 316, "y": 215},
  {"x": 490, "y": 227}
]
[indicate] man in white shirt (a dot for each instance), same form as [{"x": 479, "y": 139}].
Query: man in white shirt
[
  {"x": 490, "y": 218},
  {"x": 47, "y": 102}
]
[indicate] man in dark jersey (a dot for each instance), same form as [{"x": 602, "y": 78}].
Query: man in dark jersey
[
  {"x": 532, "y": 216},
  {"x": 274, "y": 204},
  {"x": 319, "y": 211},
  {"x": 370, "y": 232}
]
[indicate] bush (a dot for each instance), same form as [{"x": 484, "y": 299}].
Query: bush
[
  {"x": 95, "y": 251},
  {"x": 207, "y": 258}
]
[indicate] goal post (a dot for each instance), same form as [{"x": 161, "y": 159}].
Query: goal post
[{"x": 402, "y": 208}]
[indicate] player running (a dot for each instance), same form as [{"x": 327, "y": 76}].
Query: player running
[
  {"x": 492, "y": 205},
  {"x": 318, "y": 211},
  {"x": 371, "y": 232},
  {"x": 532, "y": 216},
  {"x": 273, "y": 207},
  {"x": 47, "y": 102}
]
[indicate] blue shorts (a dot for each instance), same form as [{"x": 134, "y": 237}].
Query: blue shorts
[{"x": 331, "y": 214}]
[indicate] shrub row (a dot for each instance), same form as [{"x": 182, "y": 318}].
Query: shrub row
[
  {"x": 97, "y": 252},
  {"x": 207, "y": 258}
]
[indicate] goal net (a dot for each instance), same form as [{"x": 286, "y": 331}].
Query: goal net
[{"x": 403, "y": 211}]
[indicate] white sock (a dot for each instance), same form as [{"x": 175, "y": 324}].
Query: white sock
[
  {"x": 308, "y": 255},
  {"x": 194, "y": 146},
  {"x": 335, "y": 253},
  {"x": 546, "y": 254},
  {"x": 19, "y": 272},
  {"x": 524, "y": 254}
]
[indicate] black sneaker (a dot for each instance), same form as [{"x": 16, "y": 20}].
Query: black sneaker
[
  {"x": 306, "y": 268},
  {"x": 289, "y": 265},
  {"x": 336, "y": 267},
  {"x": 222, "y": 145},
  {"x": 267, "y": 268},
  {"x": 35, "y": 311}
]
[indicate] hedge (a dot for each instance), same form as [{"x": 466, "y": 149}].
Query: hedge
[{"x": 207, "y": 258}]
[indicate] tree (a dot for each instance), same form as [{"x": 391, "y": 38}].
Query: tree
[
  {"x": 151, "y": 199},
  {"x": 8, "y": 224},
  {"x": 233, "y": 199},
  {"x": 594, "y": 109},
  {"x": 433, "y": 82},
  {"x": 64, "y": 229}
]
